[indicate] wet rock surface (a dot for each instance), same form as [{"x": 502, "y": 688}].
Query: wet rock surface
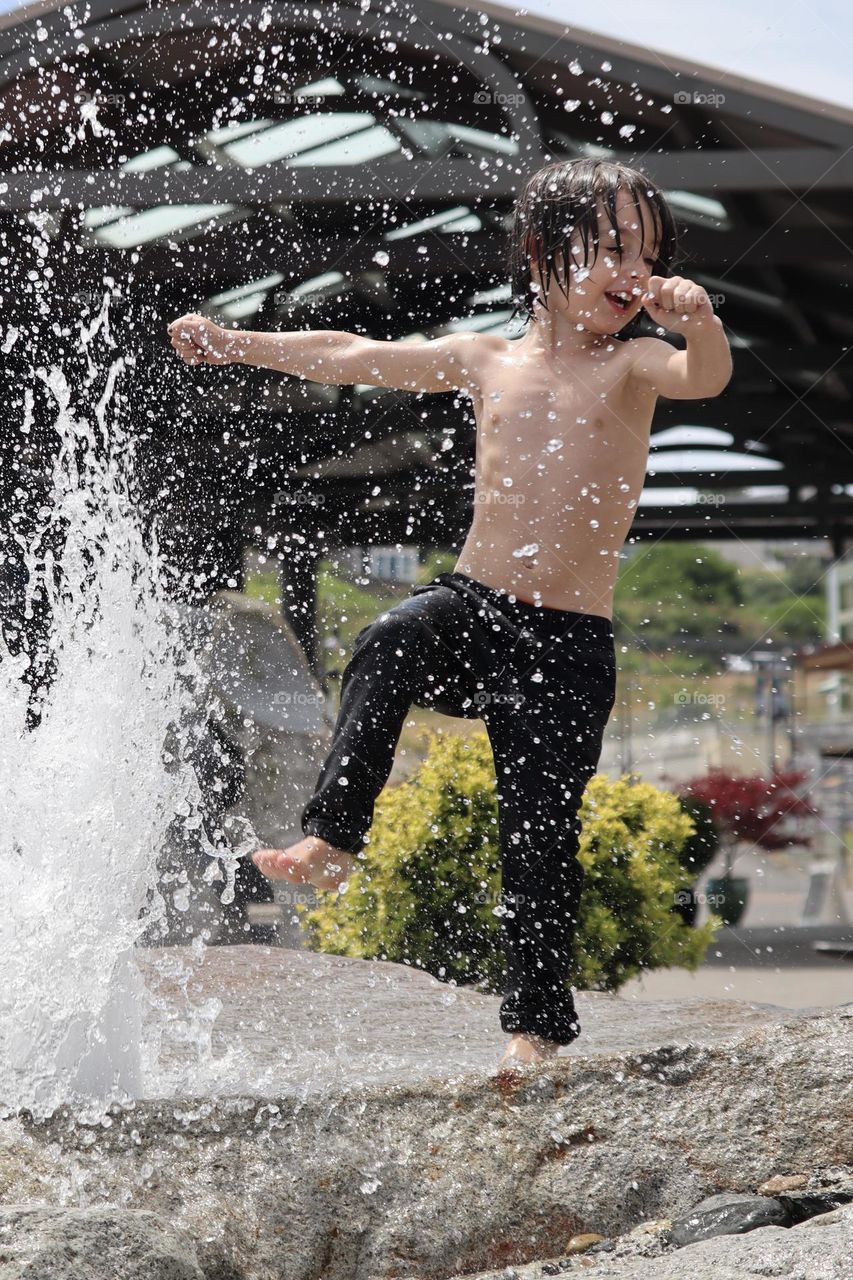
[
  {"x": 300, "y": 1020},
  {"x": 819, "y": 1249},
  {"x": 92, "y": 1244},
  {"x": 456, "y": 1172},
  {"x": 729, "y": 1213}
]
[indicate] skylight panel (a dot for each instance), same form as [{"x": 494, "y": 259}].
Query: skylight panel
[{"x": 146, "y": 225}]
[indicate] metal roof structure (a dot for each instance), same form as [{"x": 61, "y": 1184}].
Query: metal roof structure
[{"x": 354, "y": 166}]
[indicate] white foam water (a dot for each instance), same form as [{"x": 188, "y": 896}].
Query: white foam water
[{"x": 90, "y": 791}]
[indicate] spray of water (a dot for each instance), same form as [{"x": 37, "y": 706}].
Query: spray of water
[{"x": 91, "y": 790}]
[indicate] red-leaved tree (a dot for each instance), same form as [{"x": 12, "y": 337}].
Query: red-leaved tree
[{"x": 752, "y": 808}]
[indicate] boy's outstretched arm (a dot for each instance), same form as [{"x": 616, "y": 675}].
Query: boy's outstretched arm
[
  {"x": 704, "y": 368},
  {"x": 335, "y": 357}
]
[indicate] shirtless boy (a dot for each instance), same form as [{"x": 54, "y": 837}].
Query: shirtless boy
[{"x": 520, "y": 633}]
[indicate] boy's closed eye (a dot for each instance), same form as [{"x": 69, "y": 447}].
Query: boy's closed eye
[{"x": 619, "y": 253}]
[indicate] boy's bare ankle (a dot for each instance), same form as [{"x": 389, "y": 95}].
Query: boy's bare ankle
[{"x": 524, "y": 1047}]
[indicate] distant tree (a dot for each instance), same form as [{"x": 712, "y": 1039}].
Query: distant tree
[
  {"x": 780, "y": 609},
  {"x": 684, "y": 571},
  {"x": 806, "y": 575},
  {"x": 676, "y": 596},
  {"x": 752, "y": 808}
]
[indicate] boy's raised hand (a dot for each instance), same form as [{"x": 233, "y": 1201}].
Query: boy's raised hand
[
  {"x": 198, "y": 340},
  {"x": 676, "y": 303}
]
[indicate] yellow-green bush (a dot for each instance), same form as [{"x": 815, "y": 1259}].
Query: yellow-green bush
[{"x": 427, "y": 889}]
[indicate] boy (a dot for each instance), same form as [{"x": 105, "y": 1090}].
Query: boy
[{"x": 520, "y": 633}]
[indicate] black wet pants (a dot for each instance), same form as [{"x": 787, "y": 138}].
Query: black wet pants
[{"x": 543, "y": 681}]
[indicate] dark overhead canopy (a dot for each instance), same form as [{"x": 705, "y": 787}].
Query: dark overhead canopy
[{"x": 344, "y": 167}]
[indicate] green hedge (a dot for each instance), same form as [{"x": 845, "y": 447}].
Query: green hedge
[{"x": 427, "y": 889}]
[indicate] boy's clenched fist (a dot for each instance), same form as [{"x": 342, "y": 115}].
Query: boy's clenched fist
[
  {"x": 677, "y": 303},
  {"x": 198, "y": 340}
]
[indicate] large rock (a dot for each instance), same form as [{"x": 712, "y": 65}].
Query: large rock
[
  {"x": 39, "y": 1243},
  {"x": 455, "y": 1174},
  {"x": 820, "y": 1249},
  {"x": 729, "y": 1213},
  {"x": 317, "y": 1022}
]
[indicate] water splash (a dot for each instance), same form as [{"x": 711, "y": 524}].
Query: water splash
[{"x": 91, "y": 790}]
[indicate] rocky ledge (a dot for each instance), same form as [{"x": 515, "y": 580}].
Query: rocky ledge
[{"x": 610, "y": 1163}]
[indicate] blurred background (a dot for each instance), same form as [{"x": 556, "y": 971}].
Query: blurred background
[{"x": 277, "y": 168}]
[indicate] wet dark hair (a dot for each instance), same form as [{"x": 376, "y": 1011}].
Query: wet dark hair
[{"x": 565, "y": 196}]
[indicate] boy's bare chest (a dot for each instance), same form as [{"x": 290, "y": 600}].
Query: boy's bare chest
[{"x": 537, "y": 422}]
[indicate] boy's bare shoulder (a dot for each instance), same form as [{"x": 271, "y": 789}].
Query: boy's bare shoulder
[
  {"x": 644, "y": 347},
  {"x": 477, "y": 350},
  {"x": 487, "y": 343}
]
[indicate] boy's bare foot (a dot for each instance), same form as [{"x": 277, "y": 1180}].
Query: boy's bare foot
[
  {"x": 309, "y": 861},
  {"x": 524, "y": 1050}
]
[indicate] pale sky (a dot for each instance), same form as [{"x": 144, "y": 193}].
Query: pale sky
[{"x": 807, "y": 48}]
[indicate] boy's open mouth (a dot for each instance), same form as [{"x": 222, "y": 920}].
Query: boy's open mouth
[{"x": 620, "y": 301}]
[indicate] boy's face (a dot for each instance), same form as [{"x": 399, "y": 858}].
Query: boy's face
[{"x": 593, "y": 300}]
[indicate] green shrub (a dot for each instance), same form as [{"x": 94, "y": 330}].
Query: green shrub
[
  {"x": 428, "y": 887},
  {"x": 632, "y": 839}
]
